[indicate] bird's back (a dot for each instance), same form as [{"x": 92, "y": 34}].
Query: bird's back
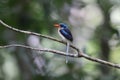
[{"x": 67, "y": 34}]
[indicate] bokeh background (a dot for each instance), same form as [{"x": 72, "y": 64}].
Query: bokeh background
[{"x": 95, "y": 25}]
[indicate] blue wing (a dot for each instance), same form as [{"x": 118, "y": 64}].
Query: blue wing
[{"x": 67, "y": 34}]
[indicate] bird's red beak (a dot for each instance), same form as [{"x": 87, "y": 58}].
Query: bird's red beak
[{"x": 57, "y": 25}]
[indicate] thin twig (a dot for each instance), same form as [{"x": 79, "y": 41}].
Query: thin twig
[{"x": 38, "y": 49}]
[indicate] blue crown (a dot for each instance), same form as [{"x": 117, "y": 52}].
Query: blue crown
[{"x": 63, "y": 25}]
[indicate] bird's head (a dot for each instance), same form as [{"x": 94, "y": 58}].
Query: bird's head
[{"x": 61, "y": 25}]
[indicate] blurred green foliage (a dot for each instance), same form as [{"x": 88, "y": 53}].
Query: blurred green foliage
[{"x": 36, "y": 16}]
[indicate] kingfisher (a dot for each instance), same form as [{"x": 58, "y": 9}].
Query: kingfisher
[{"x": 65, "y": 33}]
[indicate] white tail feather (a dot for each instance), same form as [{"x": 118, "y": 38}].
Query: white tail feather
[{"x": 67, "y": 51}]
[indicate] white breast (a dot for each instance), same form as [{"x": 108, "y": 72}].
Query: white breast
[{"x": 61, "y": 34}]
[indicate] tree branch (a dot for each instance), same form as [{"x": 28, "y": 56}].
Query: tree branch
[
  {"x": 36, "y": 34},
  {"x": 101, "y": 61},
  {"x": 38, "y": 49},
  {"x": 64, "y": 54},
  {"x": 55, "y": 51}
]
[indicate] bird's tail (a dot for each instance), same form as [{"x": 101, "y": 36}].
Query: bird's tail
[{"x": 67, "y": 51}]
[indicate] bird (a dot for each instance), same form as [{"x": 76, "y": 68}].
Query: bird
[{"x": 66, "y": 34}]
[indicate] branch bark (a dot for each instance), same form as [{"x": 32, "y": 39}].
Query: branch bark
[
  {"x": 80, "y": 54},
  {"x": 36, "y": 34},
  {"x": 38, "y": 49}
]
